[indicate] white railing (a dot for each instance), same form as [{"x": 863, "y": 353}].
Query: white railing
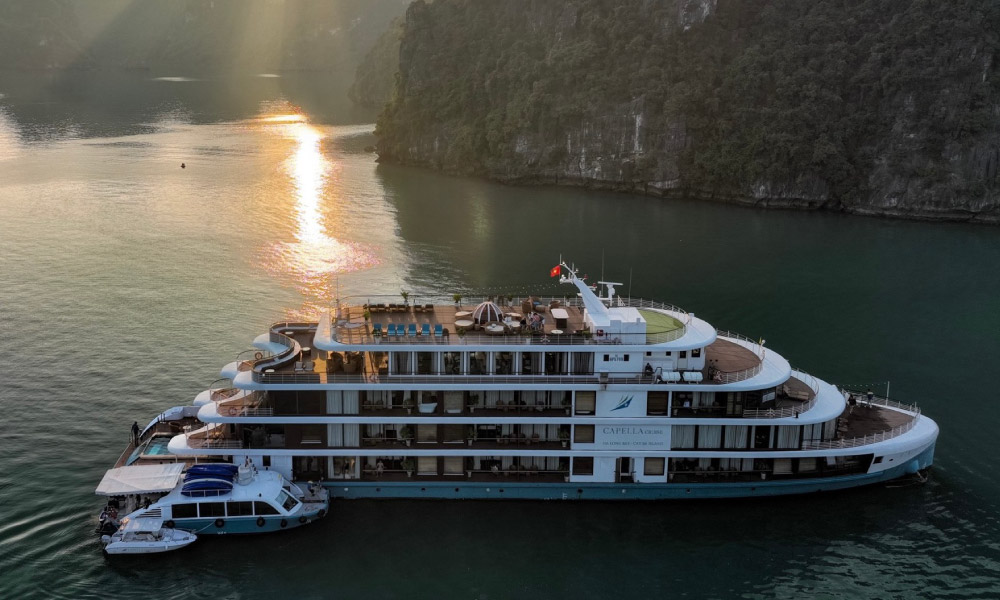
[
  {"x": 872, "y": 438},
  {"x": 742, "y": 340},
  {"x": 807, "y": 379}
]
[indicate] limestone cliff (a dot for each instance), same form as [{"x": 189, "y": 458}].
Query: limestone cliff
[{"x": 866, "y": 106}]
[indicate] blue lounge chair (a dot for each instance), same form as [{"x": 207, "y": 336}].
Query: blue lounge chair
[
  {"x": 438, "y": 330},
  {"x": 411, "y": 330},
  {"x": 425, "y": 329},
  {"x": 391, "y": 330},
  {"x": 377, "y": 329}
]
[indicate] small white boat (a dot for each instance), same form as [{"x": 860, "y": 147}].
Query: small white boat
[{"x": 143, "y": 535}]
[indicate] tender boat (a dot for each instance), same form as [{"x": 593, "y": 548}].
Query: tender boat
[
  {"x": 215, "y": 498},
  {"x": 145, "y": 535}
]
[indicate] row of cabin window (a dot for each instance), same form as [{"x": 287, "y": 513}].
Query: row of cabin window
[
  {"x": 726, "y": 436},
  {"x": 652, "y": 465},
  {"x": 451, "y": 363},
  {"x": 221, "y": 509}
]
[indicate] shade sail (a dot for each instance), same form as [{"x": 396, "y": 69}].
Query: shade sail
[{"x": 140, "y": 479}]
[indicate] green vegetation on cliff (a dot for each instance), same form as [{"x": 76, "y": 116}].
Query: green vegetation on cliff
[{"x": 869, "y": 105}]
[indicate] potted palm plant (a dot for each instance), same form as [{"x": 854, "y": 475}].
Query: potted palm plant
[
  {"x": 471, "y": 434},
  {"x": 406, "y": 296},
  {"x": 408, "y": 466},
  {"x": 564, "y": 437},
  {"x": 406, "y": 434},
  {"x": 458, "y": 299}
]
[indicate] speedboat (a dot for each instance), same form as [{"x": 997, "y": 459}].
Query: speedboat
[{"x": 145, "y": 535}]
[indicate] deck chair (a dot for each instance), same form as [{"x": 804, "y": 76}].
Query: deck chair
[
  {"x": 391, "y": 330},
  {"x": 377, "y": 329},
  {"x": 411, "y": 330},
  {"x": 438, "y": 330},
  {"x": 425, "y": 329}
]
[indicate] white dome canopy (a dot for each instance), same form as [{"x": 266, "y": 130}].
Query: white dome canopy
[{"x": 486, "y": 312}]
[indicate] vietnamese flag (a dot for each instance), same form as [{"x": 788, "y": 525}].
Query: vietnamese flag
[{"x": 555, "y": 271}]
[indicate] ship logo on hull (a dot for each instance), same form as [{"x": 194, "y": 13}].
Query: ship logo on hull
[{"x": 623, "y": 403}]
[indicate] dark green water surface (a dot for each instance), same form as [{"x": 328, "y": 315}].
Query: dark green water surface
[{"x": 126, "y": 282}]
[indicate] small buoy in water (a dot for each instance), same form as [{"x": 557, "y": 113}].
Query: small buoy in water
[{"x": 183, "y": 166}]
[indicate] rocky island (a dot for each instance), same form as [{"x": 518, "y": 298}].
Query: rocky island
[{"x": 868, "y": 107}]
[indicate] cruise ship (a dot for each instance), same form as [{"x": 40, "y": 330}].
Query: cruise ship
[{"x": 589, "y": 396}]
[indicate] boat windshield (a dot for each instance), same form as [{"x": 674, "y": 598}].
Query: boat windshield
[{"x": 286, "y": 501}]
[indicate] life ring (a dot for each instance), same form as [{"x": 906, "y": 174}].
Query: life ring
[
  {"x": 260, "y": 521},
  {"x": 220, "y": 523},
  {"x": 169, "y": 524},
  {"x": 233, "y": 411},
  {"x": 258, "y": 355},
  {"x": 283, "y": 523},
  {"x": 322, "y": 513},
  {"x": 303, "y": 520}
]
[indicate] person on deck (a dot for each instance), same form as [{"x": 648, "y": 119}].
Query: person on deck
[{"x": 135, "y": 433}]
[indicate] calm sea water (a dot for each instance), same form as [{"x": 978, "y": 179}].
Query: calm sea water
[{"x": 126, "y": 282}]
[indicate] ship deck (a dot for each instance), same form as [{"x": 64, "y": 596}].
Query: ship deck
[{"x": 725, "y": 362}]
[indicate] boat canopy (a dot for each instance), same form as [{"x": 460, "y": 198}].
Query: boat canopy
[
  {"x": 140, "y": 479},
  {"x": 142, "y": 524}
]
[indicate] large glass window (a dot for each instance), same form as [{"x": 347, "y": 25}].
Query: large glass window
[
  {"x": 184, "y": 511},
  {"x": 453, "y": 363},
  {"x": 212, "y": 509},
  {"x": 239, "y": 509},
  {"x": 583, "y": 363},
  {"x": 504, "y": 363},
  {"x": 263, "y": 508},
  {"x": 477, "y": 363},
  {"x": 425, "y": 363}
]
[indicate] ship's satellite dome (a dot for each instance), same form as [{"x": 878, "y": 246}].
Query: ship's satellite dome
[{"x": 486, "y": 312}]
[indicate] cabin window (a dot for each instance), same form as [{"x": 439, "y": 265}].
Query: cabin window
[
  {"x": 263, "y": 508},
  {"x": 606, "y": 357},
  {"x": 696, "y": 353},
  {"x": 265, "y": 461},
  {"x": 583, "y": 465},
  {"x": 426, "y": 433},
  {"x": 583, "y": 434},
  {"x": 683, "y": 354},
  {"x": 239, "y": 509},
  {"x": 652, "y": 466},
  {"x": 212, "y": 509},
  {"x": 184, "y": 511},
  {"x": 586, "y": 402},
  {"x": 427, "y": 465},
  {"x": 656, "y": 403}
]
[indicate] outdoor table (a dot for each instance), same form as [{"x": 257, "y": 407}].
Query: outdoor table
[
  {"x": 463, "y": 323},
  {"x": 463, "y": 314}
]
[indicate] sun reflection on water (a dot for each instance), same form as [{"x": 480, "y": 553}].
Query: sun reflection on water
[{"x": 314, "y": 258}]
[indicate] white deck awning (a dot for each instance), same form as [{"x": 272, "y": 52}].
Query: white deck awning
[{"x": 140, "y": 479}]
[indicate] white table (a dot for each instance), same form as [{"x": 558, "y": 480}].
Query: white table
[
  {"x": 561, "y": 317},
  {"x": 463, "y": 323},
  {"x": 463, "y": 314},
  {"x": 556, "y": 332},
  {"x": 494, "y": 329}
]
